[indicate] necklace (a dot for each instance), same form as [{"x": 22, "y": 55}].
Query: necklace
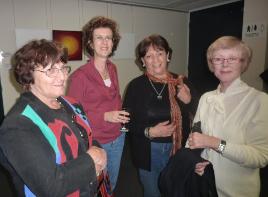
[
  {"x": 159, "y": 94},
  {"x": 104, "y": 73}
]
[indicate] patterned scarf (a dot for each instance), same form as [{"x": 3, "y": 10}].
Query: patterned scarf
[{"x": 175, "y": 109}]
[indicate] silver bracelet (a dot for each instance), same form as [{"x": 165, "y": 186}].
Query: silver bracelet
[{"x": 147, "y": 133}]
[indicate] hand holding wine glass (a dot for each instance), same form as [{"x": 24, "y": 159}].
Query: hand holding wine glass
[
  {"x": 118, "y": 116},
  {"x": 125, "y": 119}
]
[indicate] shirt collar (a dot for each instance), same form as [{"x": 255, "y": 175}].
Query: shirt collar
[{"x": 236, "y": 86}]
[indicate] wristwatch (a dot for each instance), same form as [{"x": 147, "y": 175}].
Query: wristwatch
[
  {"x": 221, "y": 146},
  {"x": 146, "y": 133}
]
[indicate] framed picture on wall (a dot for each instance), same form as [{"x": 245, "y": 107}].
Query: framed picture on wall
[{"x": 72, "y": 41}]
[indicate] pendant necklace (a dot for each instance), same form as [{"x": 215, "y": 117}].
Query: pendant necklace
[{"x": 159, "y": 94}]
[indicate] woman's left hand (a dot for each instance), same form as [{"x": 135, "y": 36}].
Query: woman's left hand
[
  {"x": 117, "y": 116},
  {"x": 200, "y": 167},
  {"x": 184, "y": 93},
  {"x": 99, "y": 157}
]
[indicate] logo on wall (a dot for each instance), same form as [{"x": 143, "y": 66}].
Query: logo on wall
[
  {"x": 72, "y": 40},
  {"x": 255, "y": 30}
]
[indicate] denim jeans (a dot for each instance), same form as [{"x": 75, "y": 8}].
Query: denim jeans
[
  {"x": 114, "y": 151},
  {"x": 159, "y": 157}
]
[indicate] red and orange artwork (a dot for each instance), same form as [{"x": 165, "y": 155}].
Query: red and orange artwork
[{"x": 72, "y": 40}]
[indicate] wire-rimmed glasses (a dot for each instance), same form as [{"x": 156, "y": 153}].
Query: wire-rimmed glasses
[
  {"x": 53, "y": 72},
  {"x": 221, "y": 60}
]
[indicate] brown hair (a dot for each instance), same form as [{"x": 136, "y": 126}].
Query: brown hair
[
  {"x": 155, "y": 40},
  {"x": 99, "y": 22},
  {"x": 230, "y": 42},
  {"x": 34, "y": 54}
]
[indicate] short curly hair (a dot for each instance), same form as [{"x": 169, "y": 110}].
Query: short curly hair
[
  {"x": 155, "y": 40},
  {"x": 34, "y": 54},
  {"x": 99, "y": 22},
  {"x": 230, "y": 42}
]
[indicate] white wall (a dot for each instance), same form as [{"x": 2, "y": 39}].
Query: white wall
[
  {"x": 73, "y": 14},
  {"x": 256, "y": 12}
]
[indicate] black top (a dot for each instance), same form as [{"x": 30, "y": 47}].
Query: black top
[
  {"x": 30, "y": 158},
  {"x": 147, "y": 110}
]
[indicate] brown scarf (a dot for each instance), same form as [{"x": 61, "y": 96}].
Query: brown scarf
[{"x": 175, "y": 109}]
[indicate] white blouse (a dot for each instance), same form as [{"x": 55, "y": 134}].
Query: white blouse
[
  {"x": 107, "y": 82},
  {"x": 239, "y": 116}
]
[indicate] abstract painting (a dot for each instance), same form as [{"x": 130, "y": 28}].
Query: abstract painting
[{"x": 72, "y": 40}]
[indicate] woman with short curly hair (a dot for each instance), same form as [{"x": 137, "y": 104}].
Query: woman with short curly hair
[
  {"x": 96, "y": 86},
  {"x": 46, "y": 150},
  {"x": 97, "y": 22}
]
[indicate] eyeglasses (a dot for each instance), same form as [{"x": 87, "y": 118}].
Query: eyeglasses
[
  {"x": 230, "y": 60},
  {"x": 53, "y": 72},
  {"x": 104, "y": 38}
]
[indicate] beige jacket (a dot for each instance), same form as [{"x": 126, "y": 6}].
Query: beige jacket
[{"x": 238, "y": 116}]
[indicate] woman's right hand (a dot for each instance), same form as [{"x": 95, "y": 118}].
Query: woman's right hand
[
  {"x": 99, "y": 157},
  {"x": 200, "y": 140},
  {"x": 117, "y": 116},
  {"x": 162, "y": 129}
]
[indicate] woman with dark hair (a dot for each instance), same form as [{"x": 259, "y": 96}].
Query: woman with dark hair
[
  {"x": 95, "y": 85},
  {"x": 45, "y": 139},
  {"x": 160, "y": 103}
]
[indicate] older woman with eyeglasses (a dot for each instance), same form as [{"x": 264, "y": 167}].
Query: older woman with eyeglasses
[
  {"x": 234, "y": 122},
  {"x": 45, "y": 139}
]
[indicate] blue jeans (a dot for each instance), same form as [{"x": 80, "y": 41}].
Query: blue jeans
[
  {"x": 114, "y": 151},
  {"x": 159, "y": 157}
]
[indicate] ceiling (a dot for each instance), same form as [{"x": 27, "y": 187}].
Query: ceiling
[{"x": 176, "y": 5}]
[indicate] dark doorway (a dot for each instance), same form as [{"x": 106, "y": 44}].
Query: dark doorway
[{"x": 206, "y": 26}]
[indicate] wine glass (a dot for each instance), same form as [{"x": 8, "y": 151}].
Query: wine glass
[{"x": 124, "y": 128}]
